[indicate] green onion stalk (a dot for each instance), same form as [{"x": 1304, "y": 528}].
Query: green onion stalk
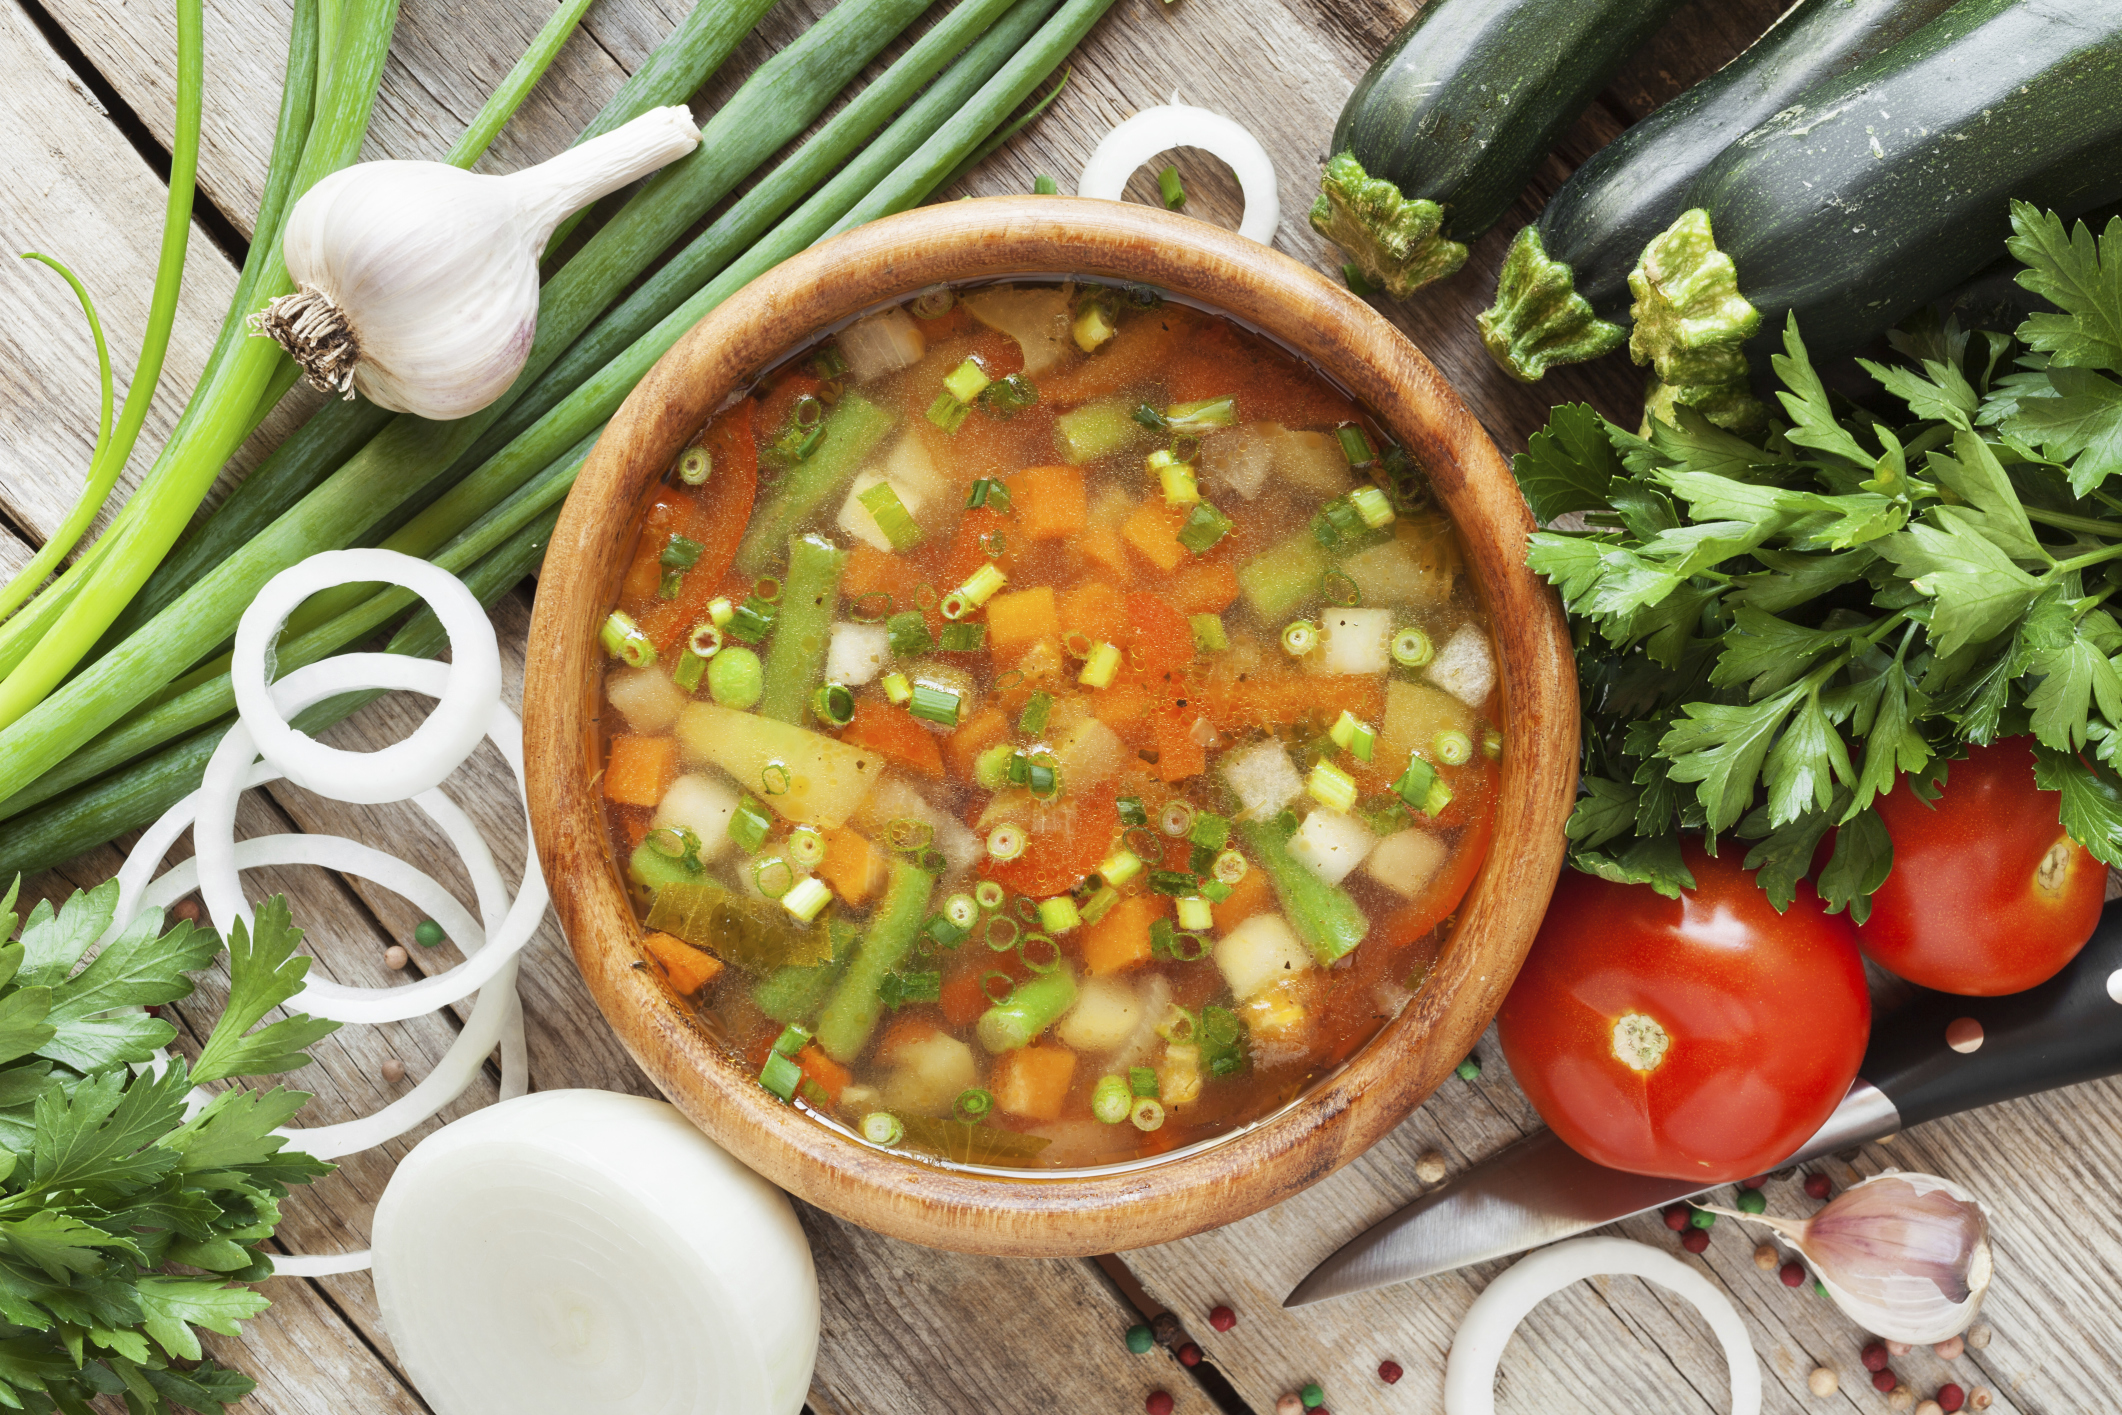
[{"x": 923, "y": 147}]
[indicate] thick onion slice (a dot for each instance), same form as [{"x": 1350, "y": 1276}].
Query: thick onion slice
[
  {"x": 1171, "y": 125},
  {"x": 1470, "y": 1373},
  {"x": 583, "y": 1251}
]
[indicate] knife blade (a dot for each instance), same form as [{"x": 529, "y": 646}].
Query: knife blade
[{"x": 1539, "y": 1191}]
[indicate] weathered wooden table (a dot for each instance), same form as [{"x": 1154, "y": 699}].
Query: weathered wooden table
[{"x": 85, "y": 116}]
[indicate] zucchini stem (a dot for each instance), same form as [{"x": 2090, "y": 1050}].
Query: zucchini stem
[
  {"x": 1539, "y": 320},
  {"x": 1690, "y": 324},
  {"x": 1397, "y": 241}
]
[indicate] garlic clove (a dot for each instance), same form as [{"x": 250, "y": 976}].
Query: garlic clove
[{"x": 417, "y": 282}]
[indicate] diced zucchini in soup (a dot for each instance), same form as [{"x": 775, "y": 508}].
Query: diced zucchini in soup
[{"x": 1018, "y": 824}]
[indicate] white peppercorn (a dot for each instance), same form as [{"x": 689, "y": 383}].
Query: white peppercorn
[{"x": 1823, "y": 1381}]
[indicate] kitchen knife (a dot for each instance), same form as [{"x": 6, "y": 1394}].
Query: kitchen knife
[{"x": 1936, "y": 1055}]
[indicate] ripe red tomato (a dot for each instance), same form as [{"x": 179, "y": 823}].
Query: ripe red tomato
[
  {"x": 1987, "y": 896},
  {"x": 1705, "y": 1037}
]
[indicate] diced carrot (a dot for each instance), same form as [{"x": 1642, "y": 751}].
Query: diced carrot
[
  {"x": 1017, "y": 620},
  {"x": 1136, "y": 354},
  {"x": 1249, "y": 896},
  {"x": 873, "y": 571},
  {"x": 906, "y": 1030},
  {"x": 1033, "y": 1081},
  {"x": 1272, "y": 700},
  {"x": 644, "y": 573},
  {"x": 1178, "y": 754},
  {"x": 688, "y": 969},
  {"x": 852, "y": 866},
  {"x": 1095, "y": 610},
  {"x": 1066, "y": 842},
  {"x": 1120, "y": 940},
  {"x": 955, "y": 320},
  {"x": 1102, "y": 546},
  {"x": 716, "y": 517},
  {"x": 961, "y": 998},
  {"x": 896, "y": 733},
  {"x": 1153, "y": 530},
  {"x": 970, "y": 547},
  {"x": 830, "y": 1075},
  {"x": 1123, "y": 702},
  {"x": 997, "y": 352},
  {"x": 778, "y": 400},
  {"x": 1204, "y": 587},
  {"x": 640, "y": 769},
  {"x": 1050, "y": 502},
  {"x": 633, "y": 822},
  {"x": 979, "y": 732},
  {"x": 1218, "y": 361},
  {"x": 1159, "y": 638}
]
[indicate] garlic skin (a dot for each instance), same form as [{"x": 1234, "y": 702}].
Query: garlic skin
[{"x": 416, "y": 283}]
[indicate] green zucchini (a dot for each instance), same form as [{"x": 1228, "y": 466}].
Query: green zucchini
[
  {"x": 1563, "y": 294},
  {"x": 1449, "y": 124},
  {"x": 1877, "y": 192}
]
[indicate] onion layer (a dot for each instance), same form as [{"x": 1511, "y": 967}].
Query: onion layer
[{"x": 1171, "y": 125}]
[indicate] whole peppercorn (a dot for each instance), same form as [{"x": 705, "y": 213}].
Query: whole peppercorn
[
  {"x": 1875, "y": 1356},
  {"x": 1823, "y": 1381},
  {"x": 1139, "y": 1339},
  {"x": 1702, "y": 1218},
  {"x": 395, "y": 956},
  {"x": 1754, "y": 1183},
  {"x": 1752, "y": 1201},
  {"x": 187, "y": 910},
  {"x": 393, "y": 1070},
  {"x": 1390, "y": 1372},
  {"x": 1189, "y": 1355},
  {"x": 1898, "y": 1348},
  {"x": 1429, "y": 1166},
  {"x": 1166, "y": 1329},
  {"x": 1290, "y": 1404},
  {"x": 1312, "y": 1396},
  {"x": 1469, "y": 1069},
  {"x": 1950, "y": 1348},
  {"x": 1695, "y": 1240},
  {"x": 427, "y": 933},
  {"x": 1818, "y": 1186},
  {"x": 1222, "y": 1318},
  {"x": 1767, "y": 1259},
  {"x": 1930, "y": 1407},
  {"x": 1883, "y": 1380},
  {"x": 1951, "y": 1397},
  {"x": 1792, "y": 1274},
  {"x": 1159, "y": 1403},
  {"x": 1675, "y": 1216},
  {"x": 1903, "y": 1397},
  {"x": 1979, "y": 1338},
  {"x": 1981, "y": 1399}
]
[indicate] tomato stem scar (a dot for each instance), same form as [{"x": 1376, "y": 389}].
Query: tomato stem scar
[{"x": 1640, "y": 1043}]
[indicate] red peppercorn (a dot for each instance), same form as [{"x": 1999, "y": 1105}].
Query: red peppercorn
[
  {"x": 1189, "y": 1355},
  {"x": 1884, "y": 1381},
  {"x": 1793, "y": 1274},
  {"x": 1677, "y": 1216},
  {"x": 1754, "y": 1183},
  {"x": 1390, "y": 1372},
  {"x": 1222, "y": 1318},
  {"x": 1817, "y": 1186},
  {"x": 1158, "y": 1403},
  {"x": 1695, "y": 1240},
  {"x": 1951, "y": 1398},
  {"x": 1875, "y": 1357}
]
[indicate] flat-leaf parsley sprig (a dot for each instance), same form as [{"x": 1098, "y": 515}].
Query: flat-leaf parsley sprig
[
  {"x": 126, "y": 1225},
  {"x": 1771, "y": 634}
]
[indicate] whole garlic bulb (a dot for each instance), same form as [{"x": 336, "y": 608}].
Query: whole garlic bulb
[{"x": 416, "y": 283}]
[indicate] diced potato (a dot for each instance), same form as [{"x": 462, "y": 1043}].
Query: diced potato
[
  {"x": 1407, "y": 860},
  {"x": 1135, "y": 1051},
  {"x": 855, "y": 518},
  {"x": 1353, "y": 641},
  {"x": 1313, "y": 461},
  {"x": 857, "y": 653},
  {"x": 929, "y": 1074},
  {"x": 1033, "y": 1081},
  {"x": 1262, "y": 777},
  {"x": 1241, "y": 458},
  {"x": 1330, "y": 844},
  {"x": 1415, "y": 569},
  {"x": 1035, "y": 316},
  {"x": 827, "y": 779},
  {"x": 646, "y": 698},
  {"x": 1465, "y": 667},
  {"x": 881, "y": 344},
  {"x": 910, "y": 464},
  {"x": 1106, "y": 1014},
  {"x": 896, "y": 799},
  {"x": 1414, "y": 714},
  {"x": 1278, "y": 1021},
  {"x": 702, "y": 804},
  {"x": 1179, "y": 1075},
  {"x": 1260, "y": 951},
  {"x": 1089, "y": 753}
]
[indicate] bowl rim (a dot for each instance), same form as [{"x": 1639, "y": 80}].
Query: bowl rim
[{"x": 1342, "y": 1114}]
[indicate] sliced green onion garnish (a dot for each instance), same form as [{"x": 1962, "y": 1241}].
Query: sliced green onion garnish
[
  {"x": 1300, "y": 638},
  {"x": 1038, "y": 953},
  {"x": 1147, "y": 1113},
  {"x": 794, "y": 1038},
  {"x": 752, "y": 620},
  {"x": 775, "y": 777},
  {"x": 1174, "y": 197},
  {"x": 973, "y": 1103},
  {"x": 1149, "y": 417},
  {"x": 1100, "y": 668},
  {"x": 954, "y": 605},
  {"x": 1174, "y": 882},
  {"x": 999, "y": 987},
  {"x": 1345, "y": 730},
  {"x": 1453, "y": 748},
  {"x": 749, "y": 824},
  {"x": 890, "y": 513},
  {"x": 932, "y": 303},
  {"x": 1331, "y": 787},
  {"x": 1032, "y": 721},
  {"x": 1195, "y": 914},
  {"x": 625, "y": 640},
  {"x": 1230, "y": 867},
  {"x": 1203, "y": 529},
  {"x": 1176, "y": 819},
  {"x": 963, "y": 638},
  {"x": 980, "y": 587},
  {"x": 962, "y": 910},
  {"x": 834, "y": 703},
  {"x": 1141, "y": 1081},
  {"x": 965, "y": 382},
  {"x": 1209, "y": 636},
  {"x": 907, "y": 634},
  {"x": 948, "y": 413},
  {"x": 1339, "y": 525},
  {"x": 720, "y": 611},
  {"x": 829, "y": 363},
  {"x": 1058, "y": 915},
  {"x": 1099, "y": 904},
  {"x": 705, "y": 640},
  {"x": 905, "y": 834},
  {"x": 1215, "y": 891},
  {"x": 1210, "y": 831},
  {"x": 671, "y": 585},
  {"x": 946, "y": 932},
  {"x": 1005, "y": 842},
  {"x": 898, "y": 689},
  {"x": 1041, "y": 779},
  {"x": 991, "y": 768},
  {"x": 1120, "y": 866},
  {"x": 806, "y": 846},
  {"x": 1132, "y": 811},
  {"x": 881, "y": 1127},
  {"x": 1201, "y": 416},
  {"x": 1010, "y": 395},
  {"x": 1178, "y": 1026},
  {"x": 1002, "y": 933},
  {"x": 1180, "y": 487},
  {"x": 988, "y": 894},
  {"x": 781, "y": 1075},
  {"x": 1092, "y": 327},
  {"x": 1373, "y": 506},
  {"x": 680, "y": 553},
  {"x": 1492, "y": 744},
  {"x": 1356, "y": 445},
  {"x": 695, "y": 465},
  {"x": 935, "y": 704},
  {"x": 1110, "y": 1100},
  {"x": 1422, "y": 788},
  {"x": 1412, "y": 648},
  {"x": 688, "y": 670},
  {"x": 810, "y": 895},
  {"x": 988, "y": 492},
  {"x": 774, "y": 876}
]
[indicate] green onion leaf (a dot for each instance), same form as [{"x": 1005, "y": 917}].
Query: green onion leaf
[
  {"x": 935, "y": 704},
  {"x": 1203, "y": 529},
  {"x": 1032, "y": 721},
  {"x": 781, "y": 1075},
  {"x": 1168, "y": 186},
  {"x": 883, "y": 504}
]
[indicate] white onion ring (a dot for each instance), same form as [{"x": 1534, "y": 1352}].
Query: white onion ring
[
  {"x": 1171, "y": 125},
  {"x": 403, "y": 769},
  {"x": 1470, "y": 1373}
]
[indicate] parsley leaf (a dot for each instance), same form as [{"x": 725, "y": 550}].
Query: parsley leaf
[
  {"x": 2080, "y": 276},
  {"x": 1569, "y": 465},
  {"x": 264, "y": 971}
]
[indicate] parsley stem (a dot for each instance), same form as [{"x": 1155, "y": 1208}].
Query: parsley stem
[
  {"x": 2079, "y": 562},
  {"x": 2083, "y": 525}
]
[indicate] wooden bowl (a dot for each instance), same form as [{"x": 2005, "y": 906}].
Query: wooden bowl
[{"x": 1342, "y": 1115}]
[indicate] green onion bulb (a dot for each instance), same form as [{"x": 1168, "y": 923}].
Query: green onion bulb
[
  {"x": 1005, "y": 842},
  {"x": 881, "y": 1127},
  {"x": 1176, "y": 819},
  {"x": 1412, "y": 648},
  {"x": 1300, "y": 638},
  {"x": 694, "y": 466},
  {"x": 988, "y": 894},
  {"x": 806, "y": 846},
  {"x": 1453, "y": 748},
  {"x": 1147, "y": 1113},
  {"x": 961, "y": 910}
]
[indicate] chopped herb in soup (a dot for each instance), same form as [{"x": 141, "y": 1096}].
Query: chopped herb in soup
[{"x": 1048, "y": 726}]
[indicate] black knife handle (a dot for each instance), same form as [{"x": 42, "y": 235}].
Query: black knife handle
[{"x": 2067, "y": 1030}]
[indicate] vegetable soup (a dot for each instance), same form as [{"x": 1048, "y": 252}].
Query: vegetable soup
[{"x": 1048, "y": 726}]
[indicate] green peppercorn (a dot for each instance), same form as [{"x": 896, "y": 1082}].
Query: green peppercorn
[
  {"x": 1752, "y": 1201},
  {"x": 1139, "y": 1340},
  {"x": 1312, "y": 1396},
  {"x": 427, "y": 933},
  {"x": 1819, "y": 1288},
  {"x": 1470, "y": 1069},
  {"x": 1702, "y": 1218}
]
